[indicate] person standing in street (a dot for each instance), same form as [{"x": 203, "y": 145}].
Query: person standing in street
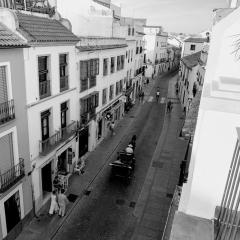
[
  {"x": 111, "y": 127},
  {"x": 62, "y": 201},
  {"x": 142, "y": 96},
  {"x": 54, "y": 204},
  {"x": 157, "y": 94}
]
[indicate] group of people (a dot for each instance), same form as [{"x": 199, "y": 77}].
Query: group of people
[
  {"x": 131, "y": 146},
  {"x": 58, "y": 200}
]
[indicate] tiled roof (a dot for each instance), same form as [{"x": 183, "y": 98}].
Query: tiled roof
[
  {"x": 8, "y": 39},
  {"x": 192, "y": 115},
  {"x": 100, "y": 47},
  {"x": 192, "y": 60},
  {"x": 42, "y": 30},
  {"x": 196, "y": 40}
]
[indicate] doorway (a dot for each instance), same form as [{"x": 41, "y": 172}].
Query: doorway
[
  {"x": 99, "y": 129},
  {"x": 83, "y": 142},
  {"x": 62, "y": 162},
  {"x": 47, "y": 178},
  {"x": 12, "y": 211}
]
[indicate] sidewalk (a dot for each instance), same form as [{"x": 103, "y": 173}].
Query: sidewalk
[
  {"x": 44, "y": 227},
  {"x": 162, "y": 177}
]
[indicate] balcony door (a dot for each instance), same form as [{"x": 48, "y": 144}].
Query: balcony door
[
  {"x": 3, "y": 85},
  {"x": 45, "y": 125}
]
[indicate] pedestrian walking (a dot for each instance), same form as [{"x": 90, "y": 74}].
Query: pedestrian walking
[
  {"x": 54, "y": 204},
  {"x": 62, "y": 201},
  {"x": 111, "y": 127},
  {"x": 157, "y": 94},
  {"x": 169, "y": 106},
  {"x": 147, "y": 80},
  {"x": 142, "y": 95}
]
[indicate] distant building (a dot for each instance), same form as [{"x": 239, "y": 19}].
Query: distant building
[{"x": 192, "y": 45}]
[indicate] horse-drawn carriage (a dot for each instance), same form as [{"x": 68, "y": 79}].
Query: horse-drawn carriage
[{"x": 124, "y": 165}]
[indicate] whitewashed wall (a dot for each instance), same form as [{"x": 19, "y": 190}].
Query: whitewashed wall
[
  {"x": 186, "y": 48},
  {"x": 34, "y": 105}
]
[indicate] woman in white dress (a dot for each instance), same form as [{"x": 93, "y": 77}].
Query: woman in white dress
[{"x": 54, "y": 204}]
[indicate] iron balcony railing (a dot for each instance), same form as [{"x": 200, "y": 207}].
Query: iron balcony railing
[
  {"x": 7, "y": 111},
  {"x": 57, "y": 138},
  {"x": 64, "y": 83},
  {"x": 12, "y": 176},
  {"x": 44, "y": 89},
  {"x": 39, "y": 6}
]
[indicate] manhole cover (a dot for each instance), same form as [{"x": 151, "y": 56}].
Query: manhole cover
[
  {"x": 132, "y": 204},
  {"x": 157, "y": 164},
  {"x": 120, "y": 201},
  {"x": 169, "y": 195},
  {"x": 72, "y": 197},
  {"x": 87, "y": 192}
]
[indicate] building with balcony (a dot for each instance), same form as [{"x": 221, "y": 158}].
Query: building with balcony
[
  {"x": 15, "y": 183},
  {"x": 156, "y": 50},
  {"x": 134, "y": 64},
  {"x": 192, "y": 45},
  {"x": 209, "y": 203},
  {"x": 102, "y": 71},
  {"x": 50, "y": 95}
]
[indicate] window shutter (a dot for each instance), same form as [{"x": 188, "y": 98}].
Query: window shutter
[{"x": 3, "y": 85}]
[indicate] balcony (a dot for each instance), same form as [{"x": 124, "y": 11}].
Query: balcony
[
  {"x": 88, "y": 116},
  {"x": 7, "y": 111},
  {"x": 31, "y": 6},
  {"x": 44, "y": 89},
  {"x": 64, "y": 83},
  {"x": 57, "y": 138},
  {"x": 12, "y": 176}
]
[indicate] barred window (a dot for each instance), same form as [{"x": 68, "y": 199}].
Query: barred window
[
  {"x": 111, "y": 92},
  {"x": 105, "y": 66},
  {"x": 104, "y": 96},
  {"x": 112, "y": 64}
]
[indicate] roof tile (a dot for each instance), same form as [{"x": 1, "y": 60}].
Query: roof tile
[
  {"x": 192, "y": 60},
  {"x": 8, "y": 39},
  {"x": 41, "y": 30}
]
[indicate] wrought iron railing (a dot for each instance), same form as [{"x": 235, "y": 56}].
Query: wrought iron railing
[
  {"x": 7, "y": 111},
  {"x": 44, "y": 89},
  {"x": 58, "y": 137},
  {"x": 12, "y": 176},
  {"x": 69, "y": 130},
  {"x": 40, "y": 6},
  {"x": 64, "y": 83}
]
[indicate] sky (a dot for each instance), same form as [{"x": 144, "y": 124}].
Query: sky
[{"x": 186, "y": 16}]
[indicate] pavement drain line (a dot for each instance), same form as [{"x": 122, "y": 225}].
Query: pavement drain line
[{"x": 90, "y": 183}]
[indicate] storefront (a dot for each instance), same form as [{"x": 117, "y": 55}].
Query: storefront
[{"x": 113, "y": 113}]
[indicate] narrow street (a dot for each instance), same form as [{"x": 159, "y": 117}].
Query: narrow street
[{"x": 107, "y": 212}]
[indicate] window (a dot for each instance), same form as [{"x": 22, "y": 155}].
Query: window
[
  {"x": 64, "y": 108},
  {"x": 132, "y": 31},
  {"x": 112, "y": 64},
  {"x": 121, "y": 86},
  {"x": 129, "y": 30},
  {"x": 88, "y": 71},
  {"x": 157, "y": 44},
  {"x": 192, "y": 47},
  {"x": 105, "y": 66},
  {"x": 111, "y": 92},
  {"x": 89, "y": 103},
  {"x": 118, "y": 63},
  {"x": 131, "y": 55},
  {"x": 45, "y": 124},
  {"x": 3, "y": 85},
  {"x": 43, "y": 74},
  {"x": 122, "y": 61},
  {"x": 104, "y": 96},
  {"x": 63, "y": 69},
  {"x": 117, "y": 88}
]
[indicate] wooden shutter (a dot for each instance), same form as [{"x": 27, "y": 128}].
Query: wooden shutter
[
  {"x": 3, "y": 85},
  {"x": 6, "y": 149}
]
